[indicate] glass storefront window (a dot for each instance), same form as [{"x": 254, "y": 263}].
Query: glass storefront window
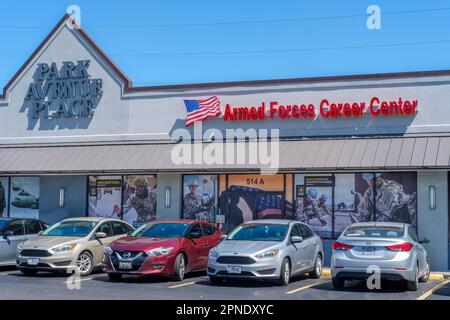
[
  {"x": 200, "y": 197},
  {"x": 139, "y": 199},
  {"x": 24, "y": 197},
  {"x": 105, "y": 196}
]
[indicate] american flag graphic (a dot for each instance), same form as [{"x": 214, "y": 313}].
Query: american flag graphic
[{"x": 199, "y": 110}]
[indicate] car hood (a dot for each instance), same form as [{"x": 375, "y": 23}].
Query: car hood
[
  {"x": 47, "y": 242},
  {"x": 143, "y": 244},
  {"x": 246, "y": 247}
]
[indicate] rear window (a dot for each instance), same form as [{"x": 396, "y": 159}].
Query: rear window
[{"x": 374, "y": 232}]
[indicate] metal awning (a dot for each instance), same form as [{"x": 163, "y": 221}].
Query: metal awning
[{"x": 328, "y": 154}]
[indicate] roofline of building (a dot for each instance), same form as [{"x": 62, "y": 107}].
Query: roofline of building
[{"x": 128, "y": 86}]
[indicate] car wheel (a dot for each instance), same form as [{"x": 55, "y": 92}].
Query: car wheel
[
  {"x": 285, "y": 273},
  {"x": 426, "y": 274},
  {"x": 337, "y": 283},
  {"x": 28, "y": 272},
  {"x": 114, "y": 276},
  {"x": 316, "y": 273},
  {"x": 414, "y": 285},
  {"x": 215, "y": 280},
  {"x": 85, "y": 264},
  {"x": 179, "y": 268}
]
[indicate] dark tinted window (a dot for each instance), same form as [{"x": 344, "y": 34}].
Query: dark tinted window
[
  {"x": 16, "y": 226},
  {"x": 208, "y": 230},
  {"x": 295, "y": 232},
  {"x": 259, "y": 232},
  {"x": 306, "y": 231},
  {"x": 70, "y": 228},
  {"x": 106, "y": 228},
  {"x": 375, "y": 232},
  {"x": 3, "y": 222},
  {"x": 32, "y": 227},
  {"x": 161, "y": 230},
  {"x": 196, "y": 228},
  {"x": 119, "y": 228},
  {"x": 413, "y": 234},
  {"x": 43, "y": 226}
]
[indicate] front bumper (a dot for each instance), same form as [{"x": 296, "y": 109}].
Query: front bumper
[
  {"x": 143, "y": 265},
  {"x": 55, "y": 262},
  {"x": 262, "y": 269}
]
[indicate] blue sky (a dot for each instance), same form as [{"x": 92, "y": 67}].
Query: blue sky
[{"x": 171, "y": 42}]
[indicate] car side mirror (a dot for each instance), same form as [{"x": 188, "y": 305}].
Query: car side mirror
[
  {"x": 195, "y": 235},
  {"x": 424, "y": 240},
  {"x": 100, "y": 235},
  {"x": 223, "y": 237},
  {"x": 7, "y": 234},
  {"x": 296, "y": 239}
]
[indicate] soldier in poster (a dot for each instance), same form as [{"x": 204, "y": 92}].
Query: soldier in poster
[
  {"x": 143, "y": 201},
  {"x": 196, "y": 206}
]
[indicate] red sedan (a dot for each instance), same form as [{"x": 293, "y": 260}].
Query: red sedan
[{"x": 170, "y": 248}]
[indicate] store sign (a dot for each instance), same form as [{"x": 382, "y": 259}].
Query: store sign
[
  {"x": 375, "y": 107},
  {"x": 65, "y": 92}
]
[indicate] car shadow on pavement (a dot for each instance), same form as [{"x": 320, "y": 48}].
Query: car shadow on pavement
[
  {"x": 361, "y": 287},
  {"x": 249, "y": 283},
  {"x": 151, "y": 278},
  {"x": 48, "y": 274}
]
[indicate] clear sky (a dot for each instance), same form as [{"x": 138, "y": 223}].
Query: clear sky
[{"x": 178, "y": 41}]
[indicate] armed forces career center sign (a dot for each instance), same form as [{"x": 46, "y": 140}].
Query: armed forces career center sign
[{"x": 64, "y": 92}]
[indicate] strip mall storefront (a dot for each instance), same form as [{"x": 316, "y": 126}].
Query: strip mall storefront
[{"x": 77, "y": 139}]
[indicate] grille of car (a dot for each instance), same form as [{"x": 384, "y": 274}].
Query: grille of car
[
  {"x": 237, "y": 275},
  {"x": 35, "y": 253},
  {"x": 235, "y": 260},
  {"x": 135, "y": 264},
  {"x": 132, "y": 254}
]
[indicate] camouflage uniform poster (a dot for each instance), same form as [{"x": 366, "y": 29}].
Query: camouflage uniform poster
[
  {"x": 24, "y": 199},
  {"x": 313, "y": 202},
  {"x": 4, "y": 188},
  {"x": 200, "y": 197},
  {"x": 139, "y": 199},
  {"x": 105, "y": 196}
]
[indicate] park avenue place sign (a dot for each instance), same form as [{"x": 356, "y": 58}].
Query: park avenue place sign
[{"x": 64, "y": 92}]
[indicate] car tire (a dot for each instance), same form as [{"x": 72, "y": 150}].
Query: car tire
[
  {"x": 179, "y": 268},
  {"x": 426, "y": 275},
  {"x": 114, "y": 276},
  {"x": 413, "y": 285},
  {"x": 28, "y": 272},
  {"x": 285, "y": 273},
  {"x": 337, "y": 283},
  {"x": 85, "y": 264},
  {"x": 316, "y": 273},
  {"x": 215, "y": 280}
]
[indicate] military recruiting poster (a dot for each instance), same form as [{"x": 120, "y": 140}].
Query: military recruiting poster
[
  {"x": 199, "y": 197},
  {"x": 105, "y": 196},
  {"x": 139, "y": 199},
  {"x": 24, "y": 199}
]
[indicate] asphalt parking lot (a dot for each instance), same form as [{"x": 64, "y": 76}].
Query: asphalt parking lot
[{"x": 15, "y": 285}]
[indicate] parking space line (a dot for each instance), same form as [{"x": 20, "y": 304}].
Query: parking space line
[
  {"x": 7, "y": 272},
  {"x": 181, "y": 285},
  {"x": 433, "y": 290},
  {"x": 78, "y": 280},
  {"x": 305, "y": 287}
]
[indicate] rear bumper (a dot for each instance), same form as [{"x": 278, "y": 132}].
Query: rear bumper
[{"x": 395, "y": 275}]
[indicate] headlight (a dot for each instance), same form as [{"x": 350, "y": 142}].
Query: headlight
[
  {"x": 108, "y": 250},
  {"x": 214, "y": 253},
  {"x": 268, "y": 254},
  {"x": 20, "y": 247},
  {"x": 64, "y": 248},
  {"x": 159, "y": 251}
]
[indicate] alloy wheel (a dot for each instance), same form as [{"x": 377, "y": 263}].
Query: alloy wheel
[
  {"x": 286, "y": 272},
  {"x": 84, "y": 263},
  {"x": 318, "y": 266},
  {"x": 182, "y": 267}
]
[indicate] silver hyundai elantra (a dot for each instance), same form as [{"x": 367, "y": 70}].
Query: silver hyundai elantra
[
  {"x": 391, "y": 248},
  {"x": 267, "y": 249}
]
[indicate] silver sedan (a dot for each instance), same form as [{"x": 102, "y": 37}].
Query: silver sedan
[
  {"x": 392, "y": 249},
  {"x": 267, "y": 249}
]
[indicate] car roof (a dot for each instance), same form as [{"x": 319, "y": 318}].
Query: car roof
[
  {"x": 271, "y": 221},
  {"x": 189, "y": 221},
  {"x": 93, "y": 219}
]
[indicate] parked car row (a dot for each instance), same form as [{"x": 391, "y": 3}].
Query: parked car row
[{"x": 268, "y": 249}]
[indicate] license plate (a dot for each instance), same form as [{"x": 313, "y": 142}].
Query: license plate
[
  {"x": 33, "y": 261},
  {"x": 125, "y": 265},
  {"x": 369, "y": 251},
  {"x": 234, "y": 269}
]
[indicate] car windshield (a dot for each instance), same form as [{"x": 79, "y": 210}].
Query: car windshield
[
  {"x": 3, "y": 222},
  {"x": 259, "y": 232},
  {"x": 161, "y": 230},
  {"x": 374, "y": 232},
  {"x": 70, "y": 229}
]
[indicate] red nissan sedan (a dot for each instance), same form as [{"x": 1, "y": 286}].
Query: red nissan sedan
[{"x": 170, "y": 248}]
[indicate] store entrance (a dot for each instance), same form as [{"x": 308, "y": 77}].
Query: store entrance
[{"x": 240, "y": 205}]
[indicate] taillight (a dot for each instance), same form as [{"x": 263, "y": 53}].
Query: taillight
[
  {"x": 341, "y": 246},
  {"x": 400, "y": 247}
]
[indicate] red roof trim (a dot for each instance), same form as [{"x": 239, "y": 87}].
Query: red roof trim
[{"x": 128, "y": 84}]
